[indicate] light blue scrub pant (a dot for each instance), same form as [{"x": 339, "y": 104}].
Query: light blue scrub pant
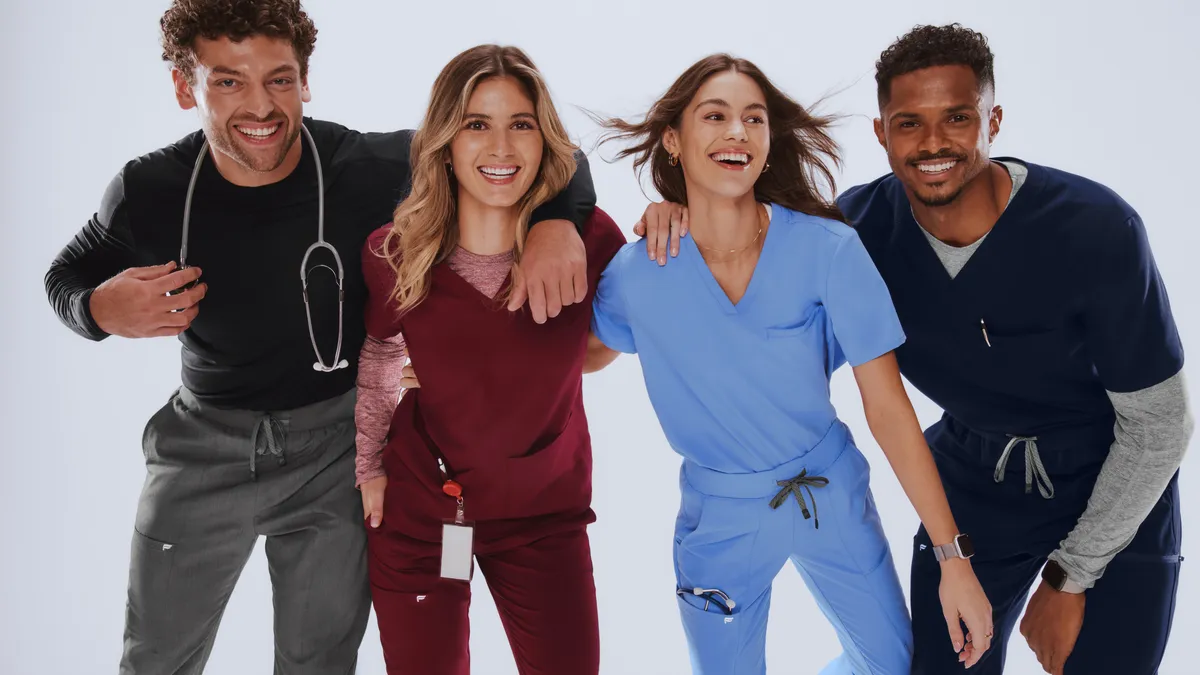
[{"x": 729, "y": 538}]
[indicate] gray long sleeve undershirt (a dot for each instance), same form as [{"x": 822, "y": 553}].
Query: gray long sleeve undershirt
[{"x": 1152, "y": 432}]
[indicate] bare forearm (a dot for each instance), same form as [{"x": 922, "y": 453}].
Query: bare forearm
[
  {"x": 895, "y": 427},
  {"x": 899, "y": 435}
]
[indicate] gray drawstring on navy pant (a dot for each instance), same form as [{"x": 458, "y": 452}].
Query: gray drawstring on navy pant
[
  {"x": 1033, "y": 465},
  {"x": 792, "y": 487},
  {"x": 272, "y": 430}
]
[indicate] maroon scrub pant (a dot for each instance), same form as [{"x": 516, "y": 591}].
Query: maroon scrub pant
[{"x": 543, "y": 590}]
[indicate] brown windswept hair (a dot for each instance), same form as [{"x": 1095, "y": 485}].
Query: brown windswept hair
[
  {"x": 425, "y": 226},
  {"x": 237, "y": 20},
  {"x": 801, "y": 154}
]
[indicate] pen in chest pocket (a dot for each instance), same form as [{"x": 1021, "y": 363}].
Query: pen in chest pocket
[{"x": 983, "y": 328}]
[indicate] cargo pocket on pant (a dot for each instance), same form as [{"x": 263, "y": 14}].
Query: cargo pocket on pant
[
  {"x": 151, "y": 572},
  {"x": 714, "y": 637}
]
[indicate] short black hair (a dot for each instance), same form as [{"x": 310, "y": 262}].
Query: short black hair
[{"x": 928, "y": 46}]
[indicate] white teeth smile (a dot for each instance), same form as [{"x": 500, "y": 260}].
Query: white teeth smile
[
  {"x": 498, "y": 172},
  {"x": 734, "y": 157},
  {"x": 937, "y": 168},
  {"x": 259, "y": 133}
]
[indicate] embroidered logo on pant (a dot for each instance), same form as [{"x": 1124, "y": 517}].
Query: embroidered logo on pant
[{"x": 420, "y": 598}]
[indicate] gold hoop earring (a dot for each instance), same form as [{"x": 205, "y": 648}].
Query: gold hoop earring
[{"x": 672, "y": 160}]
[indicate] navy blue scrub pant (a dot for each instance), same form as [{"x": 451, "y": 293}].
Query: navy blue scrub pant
[{"x": 1127, "y": 618}]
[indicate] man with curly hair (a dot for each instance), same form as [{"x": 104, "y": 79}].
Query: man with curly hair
[
  {"x": 1037, "y": 320},
  {"x": 259, "y": 440}
]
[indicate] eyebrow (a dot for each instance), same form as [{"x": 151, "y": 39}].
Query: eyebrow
[
  {"x": 488, "y": 118},
  {"x": 725, "y": 104},
  {"x": 223, "y": 70},
  {"x": 910, "y": 116}
]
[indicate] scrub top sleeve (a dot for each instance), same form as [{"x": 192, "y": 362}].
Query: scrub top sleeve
[
  {"x": 382, "y": 320},
  {"x": 1129, "y": 329},
  {"x": 859, "y": 305},
  {"x": 610, "y": 313}
]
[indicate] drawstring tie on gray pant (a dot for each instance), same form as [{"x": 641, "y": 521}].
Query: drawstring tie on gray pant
[
  {"x": 1033, "y": 466},
  {"x": 266, "y": 437},
  {"x": 792, "y": 486}
]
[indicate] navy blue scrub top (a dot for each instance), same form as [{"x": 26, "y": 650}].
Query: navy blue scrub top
[{"x": 1066, "y": 286}]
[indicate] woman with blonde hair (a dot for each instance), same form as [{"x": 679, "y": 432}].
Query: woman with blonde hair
[{"x": 489, "y": 460}]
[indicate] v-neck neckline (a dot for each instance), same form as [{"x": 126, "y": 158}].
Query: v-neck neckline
[
  {"x": 466, "y": 286},
  {"x": 701, "y": 267},
  {"x": 927, "y": 259}
]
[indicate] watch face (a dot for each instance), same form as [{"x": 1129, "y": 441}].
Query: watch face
[
  {"x": 1054, "y": 575},
  {"x": 965, "y": 548}
]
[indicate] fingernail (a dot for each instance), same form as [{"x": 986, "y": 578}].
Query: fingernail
[
  {"x": 662, "y": 260},
  {"x": 957, "y": 646},
  {"x": 675, "y": 252}
]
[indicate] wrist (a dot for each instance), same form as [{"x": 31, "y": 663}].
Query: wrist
[
  {"x": 959, "y": 547},
  {"x": 1057, "y": 578}
]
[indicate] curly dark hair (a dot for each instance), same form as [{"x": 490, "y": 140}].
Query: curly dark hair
[
  {"x": 928, "y": 46},
  {"x": 237, "y": 20}
]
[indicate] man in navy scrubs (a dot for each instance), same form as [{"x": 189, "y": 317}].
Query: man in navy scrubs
[{"x": 1037, "y": 320}]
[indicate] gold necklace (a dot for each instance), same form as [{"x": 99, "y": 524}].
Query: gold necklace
[{"x": 737, "y": 250}]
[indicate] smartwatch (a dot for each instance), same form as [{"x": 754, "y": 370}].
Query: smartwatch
[
  {"x": 1056, "y": 577},
  {"x": 959, "y": 547}
]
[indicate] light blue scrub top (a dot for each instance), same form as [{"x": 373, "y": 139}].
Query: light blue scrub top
[{"x": 744, "y": 388}]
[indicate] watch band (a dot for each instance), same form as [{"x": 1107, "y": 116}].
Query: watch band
[
  {"x": 959, "y": 547},
  {"x": 945, "y": 551}
]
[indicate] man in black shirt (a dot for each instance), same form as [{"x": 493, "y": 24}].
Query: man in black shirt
[{"x": 260, "y": 437}]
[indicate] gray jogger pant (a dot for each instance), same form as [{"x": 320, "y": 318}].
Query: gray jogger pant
[{"x": 216, "y": 480}]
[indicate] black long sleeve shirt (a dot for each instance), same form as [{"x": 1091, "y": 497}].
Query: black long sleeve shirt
[{"x": 249, "y": 346}]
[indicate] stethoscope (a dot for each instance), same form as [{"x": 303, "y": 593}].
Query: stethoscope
[
  {"x": 710, "y": 595},
  {"x": 320, "y": 243}
]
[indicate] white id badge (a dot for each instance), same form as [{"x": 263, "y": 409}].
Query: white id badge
[{"x": 457, "y": 561}]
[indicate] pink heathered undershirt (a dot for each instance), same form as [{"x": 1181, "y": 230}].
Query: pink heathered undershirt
[{"x": 381, "y": 363}]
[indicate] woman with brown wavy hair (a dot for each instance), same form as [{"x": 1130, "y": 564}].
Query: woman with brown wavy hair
[
  {"x": 738, "y": 338},
  {"x": 489, "y": 459}
]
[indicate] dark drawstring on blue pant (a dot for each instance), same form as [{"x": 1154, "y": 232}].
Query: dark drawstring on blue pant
[
  {"x": 792, "y": 486},
  {"x": 272, "y": 431},
  {"x": 1033, "y": 466}
]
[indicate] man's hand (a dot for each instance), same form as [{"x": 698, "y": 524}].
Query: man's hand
[
  {"x": 1051, "y": 625},
  {"x": 135, "y": 303},
  {"x": 553, "y": 270},
  {"x": 372, "y": 496},
  {"x": 663, "y": 223}
]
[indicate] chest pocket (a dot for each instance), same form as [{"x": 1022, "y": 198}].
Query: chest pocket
[
  {"x": 803, "y": 353},
  {"x": 1023, "y": 356}
]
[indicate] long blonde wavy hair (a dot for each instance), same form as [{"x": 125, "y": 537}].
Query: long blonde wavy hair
[{"x": 425, "y": 225}]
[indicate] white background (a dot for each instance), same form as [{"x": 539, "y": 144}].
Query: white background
[{"x": 1094, "y": 88}]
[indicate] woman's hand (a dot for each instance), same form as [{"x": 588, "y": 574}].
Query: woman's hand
[
  {"x": 372, "y": 496},
  {"x": 408, "y": 378},
  {"x": 963, "y": 599}
]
